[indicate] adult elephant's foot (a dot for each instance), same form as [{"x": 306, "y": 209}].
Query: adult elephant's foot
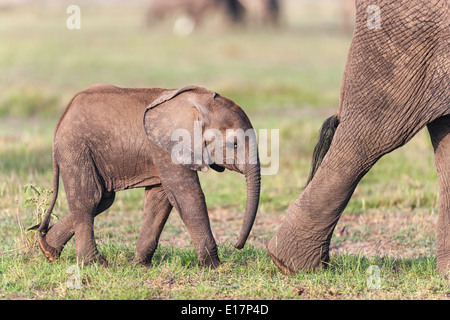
[
  {"x": 293, "y": 250},
  {"x": 52, "y": 254}
]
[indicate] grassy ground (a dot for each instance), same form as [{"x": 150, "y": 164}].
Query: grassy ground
[{"x": 287, "y": 80}]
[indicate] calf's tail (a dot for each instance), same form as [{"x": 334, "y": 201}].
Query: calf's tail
[{"x": 43, "y": 226}]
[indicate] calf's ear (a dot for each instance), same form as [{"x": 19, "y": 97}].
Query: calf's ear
[{"x": 175, "y": 120}]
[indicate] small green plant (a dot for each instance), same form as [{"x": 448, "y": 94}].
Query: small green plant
[{"x": 40, "y": 200}]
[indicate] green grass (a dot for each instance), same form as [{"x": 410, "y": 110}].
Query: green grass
[
  {"x": 287, "y": 80},
  {"x": 246, "y": 274}
]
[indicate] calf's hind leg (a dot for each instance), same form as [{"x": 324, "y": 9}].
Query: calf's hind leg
[
  {"x": 53, "y": 242},
  {"x": 156, "y": 211}
]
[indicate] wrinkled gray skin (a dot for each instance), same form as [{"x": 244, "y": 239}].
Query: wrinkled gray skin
[
  {"x": 396, "y": 82},
  {"x": 111, "y": 139}
]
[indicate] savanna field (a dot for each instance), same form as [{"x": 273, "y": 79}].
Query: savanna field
[{"x": 285, "y": 78}]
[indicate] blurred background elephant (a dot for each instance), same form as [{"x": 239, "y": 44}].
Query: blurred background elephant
[
  {"x": 396, "y": 82},
  {"x": 101, "y": 146},
  {"x": 193, "y": 12}
]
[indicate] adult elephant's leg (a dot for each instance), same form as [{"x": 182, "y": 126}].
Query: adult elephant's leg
[
  {"x": 440, "y": 138},
  {"x": 156, "y": 211},
  {"x": 302, "y": 242}
]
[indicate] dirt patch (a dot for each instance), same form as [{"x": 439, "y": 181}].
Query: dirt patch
[{"x": 394, "y": 234}]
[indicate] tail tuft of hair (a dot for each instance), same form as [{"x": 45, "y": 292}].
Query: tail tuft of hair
[{"x": 325, "y": 138}]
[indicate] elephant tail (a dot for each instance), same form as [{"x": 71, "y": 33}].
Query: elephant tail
[
  {"x": 325, "y": 138},
  {"x": 43, "y": 226}
]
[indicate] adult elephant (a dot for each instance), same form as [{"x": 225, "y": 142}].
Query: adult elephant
[
  {"x": 110, "y": 139},
  {"x": 396, "y": 81}
]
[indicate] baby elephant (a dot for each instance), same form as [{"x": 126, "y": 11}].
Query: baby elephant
[{"x": 111, "y": 139}]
